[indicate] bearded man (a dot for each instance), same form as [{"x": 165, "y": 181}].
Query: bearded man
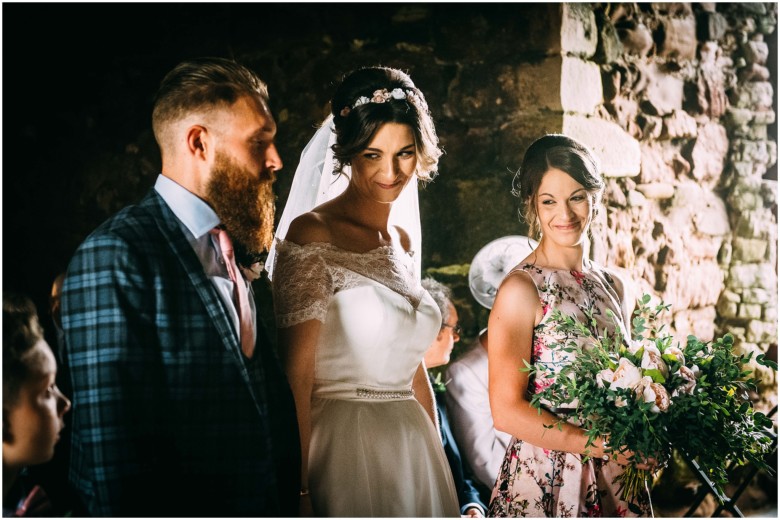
[{"x": 180, "y": 407}]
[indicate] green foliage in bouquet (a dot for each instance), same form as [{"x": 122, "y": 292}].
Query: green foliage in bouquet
[{"x": 647, "y": 396}]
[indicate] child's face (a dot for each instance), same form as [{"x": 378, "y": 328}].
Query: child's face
[{"x": 35, "y": 419}]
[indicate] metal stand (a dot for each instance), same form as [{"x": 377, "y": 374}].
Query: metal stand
[{"x": 727, "y": 503}]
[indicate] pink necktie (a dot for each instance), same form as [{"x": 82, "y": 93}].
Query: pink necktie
[{"x": 241, "y": 294}]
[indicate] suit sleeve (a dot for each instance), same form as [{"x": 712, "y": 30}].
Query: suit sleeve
[
  {"x": 119, "y": 438},
  {"x": 468, "y": 495},
  {"x": 472, "y": 424}
]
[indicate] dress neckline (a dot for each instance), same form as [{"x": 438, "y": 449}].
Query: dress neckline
[
  {"x": 389, "y": 250},
  {"x": 590, "y": 268}
]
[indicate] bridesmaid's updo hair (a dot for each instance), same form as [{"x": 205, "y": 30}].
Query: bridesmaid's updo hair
[
  {"x": 560, "y": 152},
  {"x": 373, "y": 96}
]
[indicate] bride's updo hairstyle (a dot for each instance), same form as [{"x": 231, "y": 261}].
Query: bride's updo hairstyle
[
  {"x": 560, "y": 152},
  {"x": 371, "y": 97}
]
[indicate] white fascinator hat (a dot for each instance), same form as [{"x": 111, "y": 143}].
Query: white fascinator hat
[{"x": 493, "y": 262}]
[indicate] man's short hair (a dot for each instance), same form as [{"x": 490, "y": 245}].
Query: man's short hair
[{"x": 200, "y": 84}]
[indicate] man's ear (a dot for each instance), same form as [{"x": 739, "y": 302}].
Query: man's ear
[
  {"x": 198, "y": 141},
  {"x": 7, "y": 437}
]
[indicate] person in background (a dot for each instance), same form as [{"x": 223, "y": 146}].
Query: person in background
[
  {"x": 438, "y": 354},
  {"x": 33, "y": 407},
  {"x": 180, "y": 404},
  {"x": 482, "y": 445}
]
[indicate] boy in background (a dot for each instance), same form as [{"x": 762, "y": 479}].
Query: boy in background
[{"x": 33, "y": 406}]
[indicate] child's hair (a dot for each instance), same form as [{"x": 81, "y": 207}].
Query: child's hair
[{"x": 21, "y": 332}]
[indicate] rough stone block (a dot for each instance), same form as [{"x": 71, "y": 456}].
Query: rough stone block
[
  {"x": 761, "y": 152},
  {"x": 710, "y": 25},
  {"x": 709, "y": 152},
  {"x": 749, "y": 250},
  {"x": 764, "y": 117},
  {"x": 769, "y": 191},
  {"x": 694, "y": 204},
  {"x": 746, "y": 276},
  {"x": 519, "y": 88},
  {"x": 766, "y": 24},
  {"x": 725, "y": 253},
  {"x": 695, "y": 284},
  {"x": 749, "y": 311},
  {"x": 663, "y": 93},
  {"x": 698, "y": 322},
  {"x": 617, "y": 151},
  {"x": 615, "y": 194},
  {"x": 579, "y": 33},
  {"x": 753, "y": 72},
  {"x": 758, "y": 133},
  {"x": 761, "y": 332},
  {"x": 679, "y": 125},
  {"x": 581, "y": 90},
  {"x": 657, "y": 190},
  {"x": 538, "y": 85},
  {"x": 737, "y": 117},
  {"x": 609, "y": 48},
  {"x": 756, "y": 51},
  {"x": 757, "y": 223},
  {"x": 636, "y": 199},
  {"x": 756, "y": 295},
  {"x": 727, "y": 309},
  {"x": 677, "y": 38},
  {"x": 728, "y": 304},
  {"x": 770, "y": 311},
  {"x": 657, "y": 161},
  {"x": 636, "y": 38},
  {"x": 755, "y": 95}
]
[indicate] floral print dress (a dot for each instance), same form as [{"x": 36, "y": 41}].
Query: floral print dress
[{"x": 538, "y": 482}]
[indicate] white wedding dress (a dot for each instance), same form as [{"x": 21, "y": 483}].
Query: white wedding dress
[{"x": 374, "y": 451}]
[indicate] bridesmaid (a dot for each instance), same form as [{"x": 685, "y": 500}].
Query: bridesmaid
[{"x": 543, "y": 473}]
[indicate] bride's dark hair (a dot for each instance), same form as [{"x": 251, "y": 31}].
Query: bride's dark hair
[{"x": 356, "y": 124}]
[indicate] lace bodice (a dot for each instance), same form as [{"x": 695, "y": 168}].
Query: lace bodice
[
  {"x": 377, "y": 320},
  {"x": 305, "y": 277}
]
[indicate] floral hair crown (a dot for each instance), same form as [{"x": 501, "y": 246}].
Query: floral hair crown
[{"x": 381, "y": 95}]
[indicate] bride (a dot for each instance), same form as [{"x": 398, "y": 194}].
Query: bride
[{"x": 353, "y": 319}]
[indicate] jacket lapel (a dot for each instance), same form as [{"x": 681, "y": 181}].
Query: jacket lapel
[{"x": 168, "y": 225}]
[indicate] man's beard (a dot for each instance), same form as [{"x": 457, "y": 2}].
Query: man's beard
[{"x": 244, "y": 204}]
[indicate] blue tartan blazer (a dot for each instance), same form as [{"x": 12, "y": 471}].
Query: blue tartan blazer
[{"x": 169, "y": 418}]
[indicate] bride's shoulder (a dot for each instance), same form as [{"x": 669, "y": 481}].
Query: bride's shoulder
[{"x": 308, "y": 228}]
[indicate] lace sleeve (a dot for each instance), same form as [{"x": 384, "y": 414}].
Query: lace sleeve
[{"x": 302, "y": 285}]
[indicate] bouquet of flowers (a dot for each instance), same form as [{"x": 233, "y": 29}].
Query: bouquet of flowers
[{"x": 647, "y": 396}]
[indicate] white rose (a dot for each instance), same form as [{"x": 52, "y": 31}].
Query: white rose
[
  {"x": 627, "y": 375},
  {"x": 651, "y": 359},
  {"x": 606, "y": 376},
  {"x": 634, "y": 346},
  {"x": 656, "y": 393},
  {"x": 677, "y": 353},
  {"x": 397, "y": 93},
  {"x": 689, "y": 381}
]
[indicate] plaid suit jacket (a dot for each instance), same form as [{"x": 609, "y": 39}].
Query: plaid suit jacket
[{"x": 168, "y": 417}]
